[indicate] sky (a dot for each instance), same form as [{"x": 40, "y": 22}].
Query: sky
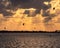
[
  {"x": 24, "y": 4},
  {"x": 39, "y": 11}
]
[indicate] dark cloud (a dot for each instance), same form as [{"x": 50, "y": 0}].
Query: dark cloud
[
  {"x": 15, "y": 4},
  {"x": 3, "y": 8},
  {"x": 32, "y": 13},
  {"x": 38, "y": 4},
  {"x": 49, "y": 17},
  {"x": 26, "y": 4}
]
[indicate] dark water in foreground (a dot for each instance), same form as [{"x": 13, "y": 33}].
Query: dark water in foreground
[{"x": 29, "y": 40}]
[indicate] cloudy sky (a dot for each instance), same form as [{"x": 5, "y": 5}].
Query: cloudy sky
[{"x": 14, "y": 4}]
